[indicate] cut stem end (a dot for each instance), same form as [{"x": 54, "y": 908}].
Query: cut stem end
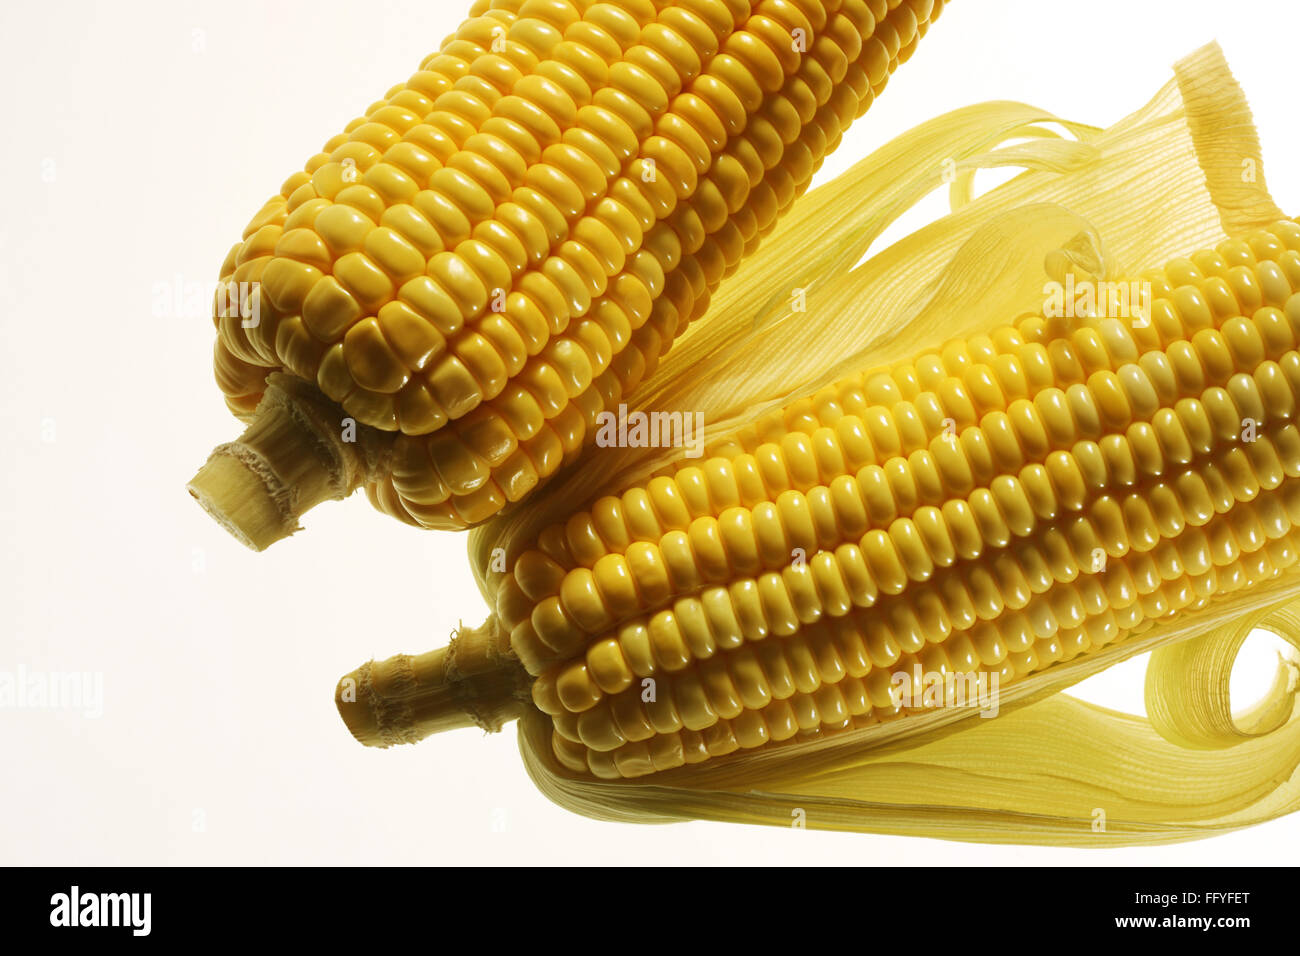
[
  {"x": 473, "y": 682},
  {"x": 291, "y": 458}
]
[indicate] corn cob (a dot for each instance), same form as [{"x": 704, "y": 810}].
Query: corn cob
[
  {"x": 506, "y": 245},
  {"x": 1005, "y": 504}
]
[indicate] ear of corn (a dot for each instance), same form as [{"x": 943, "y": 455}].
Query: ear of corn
[
  {"x": 1026, "y": 503},
  {"x": 505, "y": 246},
  {"x": 1089, "y": 487}
]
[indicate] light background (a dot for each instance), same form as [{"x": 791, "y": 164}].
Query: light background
[{"x": 138, "y": 140}]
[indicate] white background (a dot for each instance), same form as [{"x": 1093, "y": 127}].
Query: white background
[{"x": 138, "y": 139}]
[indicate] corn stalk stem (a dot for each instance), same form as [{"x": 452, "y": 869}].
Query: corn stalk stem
[
  {"x": 475, "y": 681},
  {"x": 298, "y": 452}
]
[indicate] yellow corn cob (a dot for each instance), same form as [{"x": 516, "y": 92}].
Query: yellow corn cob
[
  {"x": 506, "y": 245},
  {"x": 1004, "y": 505}
]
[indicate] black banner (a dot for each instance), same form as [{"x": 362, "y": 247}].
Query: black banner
[{"x": 900, "y": 905}]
